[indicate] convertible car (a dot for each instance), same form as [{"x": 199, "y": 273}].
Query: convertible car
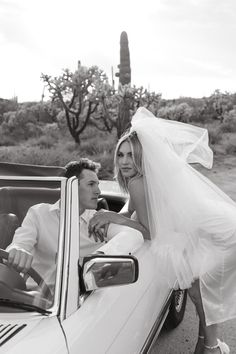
[{"x": 106, "y": 303}]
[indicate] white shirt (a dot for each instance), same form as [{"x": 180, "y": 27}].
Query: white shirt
[
  {"x": 87, "y": 244},
  {"x": 39, "y": 235}
]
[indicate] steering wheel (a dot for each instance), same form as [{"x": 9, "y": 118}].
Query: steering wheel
[{"x": 31, "y": 272}]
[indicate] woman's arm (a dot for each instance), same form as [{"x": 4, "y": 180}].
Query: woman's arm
[
  {"x": 127, "y": 209},
  {"x": 138, "y": 199},
  {"x": 140, "y": 223},
  {"x": 102, "y": 218}
]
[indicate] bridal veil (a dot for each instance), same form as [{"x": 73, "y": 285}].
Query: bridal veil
[{"x": 192, "y": 222}]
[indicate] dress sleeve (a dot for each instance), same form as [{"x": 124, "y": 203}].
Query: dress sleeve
[{"x": 122, "y": 240}]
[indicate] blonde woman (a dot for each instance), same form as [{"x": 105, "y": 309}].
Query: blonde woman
[{"x": 190, "y": 222}]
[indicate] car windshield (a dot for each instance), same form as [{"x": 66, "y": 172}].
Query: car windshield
[{"x": 29, "y": 232}]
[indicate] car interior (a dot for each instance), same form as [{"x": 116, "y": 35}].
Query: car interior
[{"x": 15, "y": 202}]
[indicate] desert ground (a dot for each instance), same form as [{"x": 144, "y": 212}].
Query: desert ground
[{"x": 223, "y": 173}]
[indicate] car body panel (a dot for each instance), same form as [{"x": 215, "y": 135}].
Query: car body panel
[
  {"x": 40, "y": 335},
  {"x": 121, "y": 317},
  {"x": 113, "y": 320}
]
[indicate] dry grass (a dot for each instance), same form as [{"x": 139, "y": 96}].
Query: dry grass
[
  {"x": 48, "y": 150},
  {"x": 57, "y": 150}
]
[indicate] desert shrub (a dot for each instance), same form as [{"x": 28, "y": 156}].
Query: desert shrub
[
  {"x": 51, "y": 131},
  {"x": 35, "y": 155},
  {"x": 71, "y": 146},
  {"x": 19, "y": 127},
  {"x": 58, "y": 155},
  {"x": 229, "y": 122},
  {"x": 55, "y": 148},
  {"x": 94, "y": 146},
  {"x": 180, "y": 112},
  {"x": 49, "y": 137},
  {"x": 6, "y": 139},
  {"x": 8, "y": 105},
  {"x": 215, "y": 134},
  {"x": 44, "y": 142},
  {"x": 230, "y": 147},
  {"x": 61, "y": 121},
  {"x": 91, "y": 132},
  {"x": 107, "y": 167},
  {"x": 32, "y": 130}
]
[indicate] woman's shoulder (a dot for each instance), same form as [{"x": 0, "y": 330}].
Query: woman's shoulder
[
  {"x": 137, "y": 192},
  {"x": 135, "y": 182}
]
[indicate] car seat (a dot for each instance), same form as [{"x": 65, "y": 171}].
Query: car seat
[
  {"x": 14, "y": 204},
  {"x": 8, "y": 224}
]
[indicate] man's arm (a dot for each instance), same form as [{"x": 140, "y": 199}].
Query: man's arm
[{"x": 22, "y": 247}]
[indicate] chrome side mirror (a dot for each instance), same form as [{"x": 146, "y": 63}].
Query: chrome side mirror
[{"x": 100, "y": 271}]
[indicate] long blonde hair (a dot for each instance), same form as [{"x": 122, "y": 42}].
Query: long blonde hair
[{"x": 136, "y": 149}]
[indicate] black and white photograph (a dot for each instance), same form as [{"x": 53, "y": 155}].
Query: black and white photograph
[{"x": 117, "y": 177}]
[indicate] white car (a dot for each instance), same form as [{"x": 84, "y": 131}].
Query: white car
[{"x": 113, "y": 304}]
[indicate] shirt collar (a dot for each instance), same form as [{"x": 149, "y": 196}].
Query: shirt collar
[{"x": 86, "y": 216}]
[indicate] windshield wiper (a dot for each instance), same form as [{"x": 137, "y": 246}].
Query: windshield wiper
[{"x": 23, "y": 306}]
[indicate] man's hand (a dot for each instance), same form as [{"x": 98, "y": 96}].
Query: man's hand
[{"x": 20, "y": 259}]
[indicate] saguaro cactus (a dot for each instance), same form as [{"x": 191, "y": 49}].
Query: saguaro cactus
[{"x": 124, "y": 75}]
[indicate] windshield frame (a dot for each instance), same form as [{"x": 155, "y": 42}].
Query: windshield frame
[{"x": 42, "y": 181}]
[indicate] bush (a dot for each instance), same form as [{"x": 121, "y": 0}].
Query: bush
[
  {"x": 61, "y": 121},
  {"x": 6, "y": 139},
  {"x": 230, "y": 148},
  {"x": 42, "y": 153},
  {"x": 16, "y": 125},
  {"x": 215, "y": 135},
  {"x": 44, "y": 142},
  {"x": 229, "y": 122},
  {"x": 50, "y": 136},
  {"x": 181, "y": 112}
]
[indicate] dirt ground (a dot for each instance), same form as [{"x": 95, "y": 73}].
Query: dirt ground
[{"x": 223, "y": 173}]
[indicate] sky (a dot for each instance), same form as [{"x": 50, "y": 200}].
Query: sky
[{"x": 177, "y": 47}]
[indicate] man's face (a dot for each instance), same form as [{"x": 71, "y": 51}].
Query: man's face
[{"x": 88, "y": 190}]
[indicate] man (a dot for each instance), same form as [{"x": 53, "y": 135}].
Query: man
[{"x": 35, "y": 242}]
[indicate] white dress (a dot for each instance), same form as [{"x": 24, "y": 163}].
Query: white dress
[{"x": 192, "y": 222}]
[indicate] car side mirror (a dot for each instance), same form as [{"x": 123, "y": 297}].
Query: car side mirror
[{"x": 101, "y": 271}]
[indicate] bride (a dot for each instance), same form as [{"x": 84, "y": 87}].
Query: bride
[{"x": 191, "y": 222}]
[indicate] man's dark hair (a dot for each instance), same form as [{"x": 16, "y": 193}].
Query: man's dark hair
[{"x": 75, "y": 168}]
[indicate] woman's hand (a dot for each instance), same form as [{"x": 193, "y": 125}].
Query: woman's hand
[
  {"x": 99, "y": 223},
  {"x": 99, "y": 233}
]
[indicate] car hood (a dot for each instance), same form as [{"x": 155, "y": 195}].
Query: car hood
[{"x": 38, "y": 334}]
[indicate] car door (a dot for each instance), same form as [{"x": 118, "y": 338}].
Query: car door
[{"x": 114, "y": 319}]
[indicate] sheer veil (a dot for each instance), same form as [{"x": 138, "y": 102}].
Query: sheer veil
[{"x": 190, "y": 218}]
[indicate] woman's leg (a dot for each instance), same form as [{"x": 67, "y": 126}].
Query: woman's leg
[
  {"x": 208, "y": 332},
  {"x": 200, "y": 341}
]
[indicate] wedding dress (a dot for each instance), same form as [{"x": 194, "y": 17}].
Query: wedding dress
[{"x": 192, "y": 222}]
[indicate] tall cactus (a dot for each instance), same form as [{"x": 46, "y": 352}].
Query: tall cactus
[
  {"x": 124, "y": 79},
  {"x": 124, "y": 66}
]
